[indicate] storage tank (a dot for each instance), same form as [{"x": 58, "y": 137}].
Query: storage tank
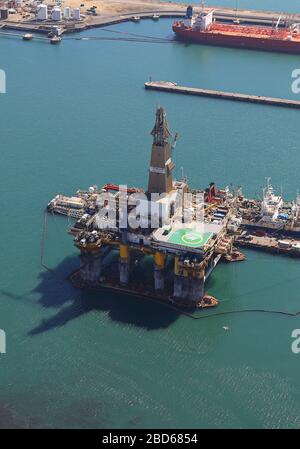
[
  {"x": 4, "y": 13},
  {"x": 189, "y": 12},
  {"x": 77, "y": 13},
  {"x": 42, "y": 12},
  {"x": 67, "y": 12},
  {"x": 56, "y": 13}
]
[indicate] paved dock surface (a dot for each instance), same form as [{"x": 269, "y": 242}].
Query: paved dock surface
[
  {"x": 167, "y": 86},
  {"x": 147, "y": 10}
]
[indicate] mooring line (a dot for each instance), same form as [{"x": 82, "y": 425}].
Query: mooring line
[
  {"x": 231, "y": 312},
  {"x": 122, "y": 39},
  {"x": 132, "y": 34},
  {"x": 43, "y": 244},
  {"x": 44, "y": 237}
]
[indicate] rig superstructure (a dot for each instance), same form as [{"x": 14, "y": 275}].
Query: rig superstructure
[{"x": 162, "y": 222}]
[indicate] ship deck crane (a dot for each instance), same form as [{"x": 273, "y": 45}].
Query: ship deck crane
[{"x": 278, "y": 22}]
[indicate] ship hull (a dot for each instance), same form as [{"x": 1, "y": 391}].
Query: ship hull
[
  {"x": 238, "y": 41},
  {"x": 285, "y": 231}
]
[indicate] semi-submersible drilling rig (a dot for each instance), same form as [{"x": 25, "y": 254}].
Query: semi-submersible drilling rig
[{"x": 181, "y": 250}]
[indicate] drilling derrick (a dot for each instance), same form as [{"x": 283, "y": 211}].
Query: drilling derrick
[{"x": 161, "y": 165}]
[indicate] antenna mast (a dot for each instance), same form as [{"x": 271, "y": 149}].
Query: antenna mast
[{"x": 202, "y": 6}]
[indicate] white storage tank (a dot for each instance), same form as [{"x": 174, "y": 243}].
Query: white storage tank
[
  {"x": 76, "y": 14},
  {"x": 67, "y": 12},
  {"x": 56, "y": 13},
  {"x": 42, "y": 12},
  {"x": 4, "y": 13}
]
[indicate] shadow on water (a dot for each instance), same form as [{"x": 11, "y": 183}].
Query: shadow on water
[
  {"x": 11, "y": 419},
  {"x": 57, "y": 292}
]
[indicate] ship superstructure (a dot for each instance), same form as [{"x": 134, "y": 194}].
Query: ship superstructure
[
  {"x": 271, "y": 205},
  {"x": 271, "y": 214}
]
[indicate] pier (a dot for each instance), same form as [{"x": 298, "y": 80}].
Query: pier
[
  {"x": 174, "y": 11},
  {"x": 168, "y": 86}
]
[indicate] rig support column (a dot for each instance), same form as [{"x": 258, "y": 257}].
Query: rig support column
[
  {"x": 124, "y": 264},
  {"x": 159, "y": 265},
  {"x": 90, "y": 265},
  {"x": 188, "y": 282}
]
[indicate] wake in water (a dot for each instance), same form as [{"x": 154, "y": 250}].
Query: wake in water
[{"x": 125, "y": 37}]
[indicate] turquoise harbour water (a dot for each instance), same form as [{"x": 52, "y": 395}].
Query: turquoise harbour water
[{"x": 77, "y": 114}]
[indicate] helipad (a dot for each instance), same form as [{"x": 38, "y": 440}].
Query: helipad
[{"x": 189, "y": 237}]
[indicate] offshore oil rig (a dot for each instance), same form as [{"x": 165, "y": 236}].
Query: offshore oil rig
[
  {"x": 181, "y": 233},
  {"x": 169, "y": 222}
]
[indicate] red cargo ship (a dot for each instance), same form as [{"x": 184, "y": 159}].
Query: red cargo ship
[{"x": 204, "y": 30}]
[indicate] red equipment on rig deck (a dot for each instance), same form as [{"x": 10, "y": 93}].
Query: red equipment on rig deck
[
  {"x": 115, "y": 187},
  {"x": 212, "y": 194}
]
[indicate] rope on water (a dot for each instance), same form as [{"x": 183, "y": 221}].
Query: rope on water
[
  {"x": 43, "y": 244},
  {"x": 231, "y": 312},
  {"x": 151, "y": 40},
  {"x": 44, "y": 238}
]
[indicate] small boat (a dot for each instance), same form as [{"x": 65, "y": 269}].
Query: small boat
[
  {"x": 27, "y": 37},
  {"x": 55, "y": 40},
  {"x": 207, "y": 301},
  {"x": 155, "y": 17},
  {"x": 135, "y": 18},
  {"x": 235, "y": 256}
]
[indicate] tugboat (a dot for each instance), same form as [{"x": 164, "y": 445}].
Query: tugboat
[
  {"x": 55, "y": 40},
  {"x": 235, "y": 256},
  {"x": 27, "y": 37},
  {"x": 135, "y": 18},
  {"x": 207, "y": 301}
]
